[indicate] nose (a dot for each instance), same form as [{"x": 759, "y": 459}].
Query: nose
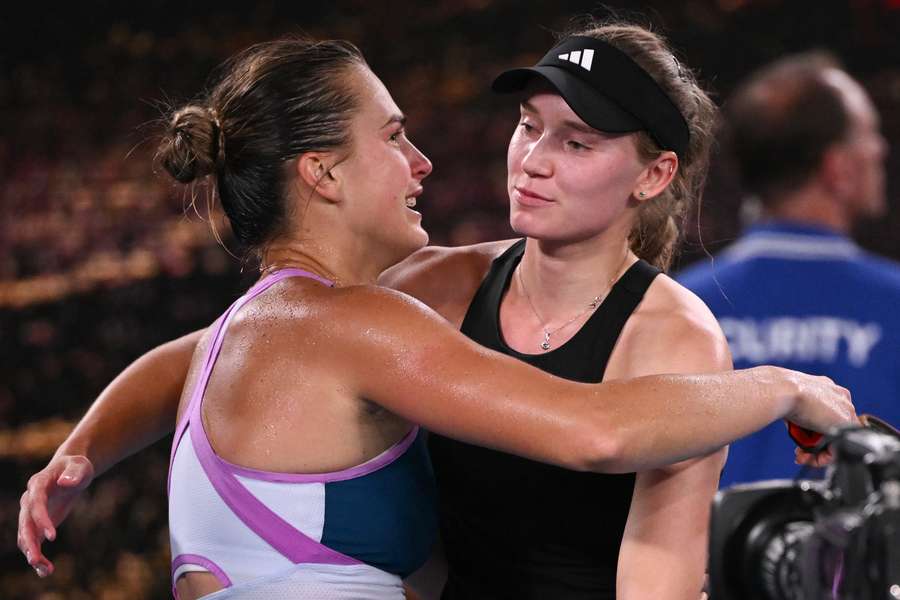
[
  {"x": 419, "y": 163},
  {"x": 535, "y": 162}
]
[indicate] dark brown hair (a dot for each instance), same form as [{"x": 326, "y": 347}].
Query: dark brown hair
[
  {"x": 660, "y": 221},
  {"x": 780, "y": 122},
  {"x": 266, "y": 105}
]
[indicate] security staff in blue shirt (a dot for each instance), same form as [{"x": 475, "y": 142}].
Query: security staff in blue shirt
[{"x": 795, "y": 290}]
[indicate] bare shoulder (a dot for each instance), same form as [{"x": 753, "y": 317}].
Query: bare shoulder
[
  {"x": 335, "y": 332},
  {"x": 444, "y": 278},
  {"x": 672, "y": 330},
  {"x": 363, "y": 334},
  {"x": 364, "y": 311},
  {"x": 672, "y": 307},
  {"x": 315, "y": 316}
]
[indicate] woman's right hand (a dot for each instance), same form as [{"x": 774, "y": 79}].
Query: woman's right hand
[
  {"x": 46, "y": 502},
  {"x": 820, "y": 404}
]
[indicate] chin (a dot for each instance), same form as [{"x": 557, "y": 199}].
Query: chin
[
  {"x": 527, "y": 225},
  {"x": 419, "y": 237},
  {"x": 548, "y": 232},
  {"x": 416, "y": 240},
  {"x": 422, "y": 242}
]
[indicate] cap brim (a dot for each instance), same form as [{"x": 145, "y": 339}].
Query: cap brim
[{"x": 594, "y": 108}]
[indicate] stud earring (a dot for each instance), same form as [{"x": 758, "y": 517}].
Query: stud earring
[{"x": 642, "y": 194}]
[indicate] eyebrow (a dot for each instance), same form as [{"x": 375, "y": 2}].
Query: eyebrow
[
  {"x": 397, "y": 118},
  {"x": 583, "y": 128}
]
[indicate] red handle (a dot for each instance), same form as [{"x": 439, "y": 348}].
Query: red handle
[{"x": 806, "y": 439}]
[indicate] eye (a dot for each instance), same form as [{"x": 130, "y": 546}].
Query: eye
[
  {"x": 577, "y": 145},
  {"x": 397, "y": 136},
  {"x": 526, "y": 127}
]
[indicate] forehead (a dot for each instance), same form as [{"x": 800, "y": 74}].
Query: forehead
[
  {"x": 541, "y": 97},
  {"x": 375, "y": 100}
]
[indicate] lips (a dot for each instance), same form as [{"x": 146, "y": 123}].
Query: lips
[{"x": 530, "y": 197}]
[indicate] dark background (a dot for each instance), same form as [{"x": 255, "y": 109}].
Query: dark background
[{"x": 101, "y": 258}]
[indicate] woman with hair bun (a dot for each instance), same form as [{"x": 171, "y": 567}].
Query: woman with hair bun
[{"x": 296, "y": 468}]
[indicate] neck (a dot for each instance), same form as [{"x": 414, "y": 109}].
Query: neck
[
  {"x": 811, "y": 206},
  {"x": 561, "y": 279},
  {"x": 320, "y": 258}
]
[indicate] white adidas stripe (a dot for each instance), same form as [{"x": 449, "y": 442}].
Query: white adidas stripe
[
  {"x": 587, "y": 59},
  {"x": 583, "y": 58}
]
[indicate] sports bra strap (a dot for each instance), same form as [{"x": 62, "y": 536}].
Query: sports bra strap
[
  {"x": 212, "y": 353},
  {"x": 281, "y": 535}
]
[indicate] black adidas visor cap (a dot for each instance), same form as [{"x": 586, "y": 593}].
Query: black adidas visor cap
[{"x": 606, "y": 89}]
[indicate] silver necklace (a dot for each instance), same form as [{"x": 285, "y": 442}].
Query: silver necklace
[{"x": 592, "y": 305}]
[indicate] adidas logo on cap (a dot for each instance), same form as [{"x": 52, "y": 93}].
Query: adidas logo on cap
[{"x": 583, "y": 59}]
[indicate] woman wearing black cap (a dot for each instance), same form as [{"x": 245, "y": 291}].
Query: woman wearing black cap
[{"x": 611, "y": 147}]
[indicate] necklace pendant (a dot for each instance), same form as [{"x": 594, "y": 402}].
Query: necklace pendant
[{"x": 546, "y": 343}]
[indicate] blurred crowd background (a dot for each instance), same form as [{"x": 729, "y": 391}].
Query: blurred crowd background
[{"x": 101, "y": 258}]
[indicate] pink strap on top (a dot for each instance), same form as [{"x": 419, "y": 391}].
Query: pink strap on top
[
  {"x": 281, "y": 535},
  {"x": 215, "y": 346}
]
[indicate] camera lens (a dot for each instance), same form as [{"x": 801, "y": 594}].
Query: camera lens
[{"x": 780, "y": 562}]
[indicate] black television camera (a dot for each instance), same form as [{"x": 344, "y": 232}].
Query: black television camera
[{"x": 835, "y": 539}]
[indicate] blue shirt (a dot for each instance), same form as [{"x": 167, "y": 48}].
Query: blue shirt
[{"x": 809, "y": 299}]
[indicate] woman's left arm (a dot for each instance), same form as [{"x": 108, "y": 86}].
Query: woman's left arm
[{"x": 663, "y": 551}]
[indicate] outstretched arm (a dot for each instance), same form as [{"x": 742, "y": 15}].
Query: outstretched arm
[
  {"x": 140, "y": 405},
  {"x": 393, "y": 351},
  {"x": 135, "y": 410}
]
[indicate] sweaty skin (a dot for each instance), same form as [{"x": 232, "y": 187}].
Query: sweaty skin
[
  {"x": 313, "y": 378},
  {"x": 140, "y": 405},
  {"x": 671, "y": 331}
]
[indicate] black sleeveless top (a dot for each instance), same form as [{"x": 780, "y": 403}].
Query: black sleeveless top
[{"x": 519, "y": 529}]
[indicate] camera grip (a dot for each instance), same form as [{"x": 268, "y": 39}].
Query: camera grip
[{"x": 806, "y": 439}]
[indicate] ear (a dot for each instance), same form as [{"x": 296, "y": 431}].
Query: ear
[
  {"x": 836, "y": 171},
  {"x": 656, "y": 176},
  {"x": 315, "y": 170}
]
